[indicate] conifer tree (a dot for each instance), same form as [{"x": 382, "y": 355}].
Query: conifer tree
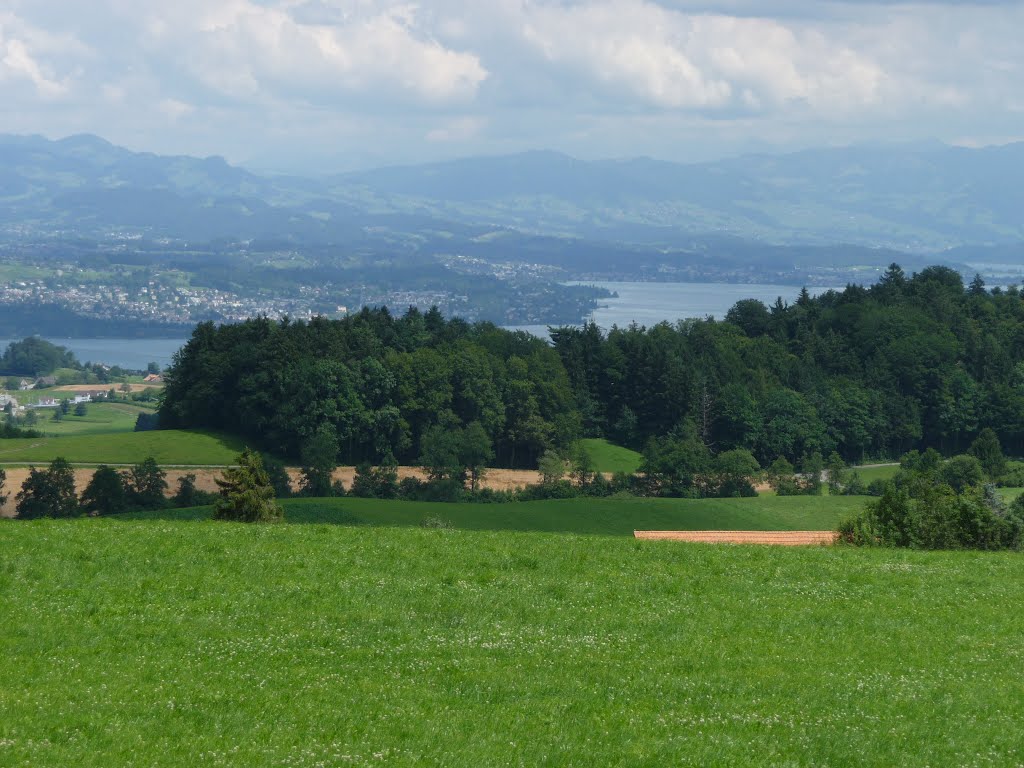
[{"x": 246, "y": 494}]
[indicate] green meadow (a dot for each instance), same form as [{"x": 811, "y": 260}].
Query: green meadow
[
  {"x": 875, "y": 472},
  {"x": 100, "y": 418},
  {"x": 608, "y": 457},
  {"x": 608, "y": 517},
  {"x": 166, "y": 446},
  {"x": 164, "y": 643}
]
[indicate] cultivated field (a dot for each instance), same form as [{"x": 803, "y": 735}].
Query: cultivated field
[
  {"x": 167, "y": 643},
  {"x": 17, "y": 475}
]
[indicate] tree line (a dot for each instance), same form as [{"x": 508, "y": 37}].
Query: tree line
[{"x": 912, "y": 362}]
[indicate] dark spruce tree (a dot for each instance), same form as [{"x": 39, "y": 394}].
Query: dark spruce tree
[{"x": 246, "y": 495}]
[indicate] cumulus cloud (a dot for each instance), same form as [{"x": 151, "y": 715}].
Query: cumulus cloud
[
  {"x": 677, "y": 60},
  {"x": 25, "y": 57},
  {"x": 245, "y": 47},
  {"x": 595, "y": 77}
]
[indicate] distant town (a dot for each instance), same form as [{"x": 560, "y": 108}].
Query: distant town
[{"x": 112, "y": 288}]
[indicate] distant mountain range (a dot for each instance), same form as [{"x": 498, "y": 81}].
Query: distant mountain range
[{"x": 921, "y": 199}]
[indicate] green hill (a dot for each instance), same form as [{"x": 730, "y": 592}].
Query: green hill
[
  {"x": 166, "y": 446},
  {"x": 608, "y": 457}
]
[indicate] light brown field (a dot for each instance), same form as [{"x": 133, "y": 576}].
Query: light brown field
[
  {"x": 16, "y": 476},
  {"x": 496, "y": 479},
  {"x": 780, "y": 538}
]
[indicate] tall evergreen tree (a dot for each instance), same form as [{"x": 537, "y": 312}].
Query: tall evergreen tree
[{"x": 246, "y": 494}]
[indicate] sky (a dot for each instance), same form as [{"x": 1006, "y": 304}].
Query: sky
[{"x": 308, "y": 85}]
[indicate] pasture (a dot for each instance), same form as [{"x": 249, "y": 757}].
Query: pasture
[
  {"x": 871, "y": 472},
  {"x": 100, "y": 418},
  {"x": 607, "y": 517},
  {"x": 610, "y": 458},
  {"x": 166, "y": 446},
  {"x": 163, "y": 643}
]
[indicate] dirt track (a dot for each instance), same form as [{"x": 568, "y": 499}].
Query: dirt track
[
  {"x": 498, "y": 479},
  {"x": 780, "y": 538}
]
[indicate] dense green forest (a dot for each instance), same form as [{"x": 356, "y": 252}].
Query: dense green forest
[
  {"x": 909, "y": 363},
  {"x": 376, "y": 382}
]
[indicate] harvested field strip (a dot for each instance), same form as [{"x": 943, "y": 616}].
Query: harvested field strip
[{"x": 778, "y": 538}]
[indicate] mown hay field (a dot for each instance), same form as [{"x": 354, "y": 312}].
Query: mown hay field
[{"x": 162, "y": 643}]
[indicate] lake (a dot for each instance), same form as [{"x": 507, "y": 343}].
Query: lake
[
  {"x": 651, "y": 303},
  {"x": 127, "y": 353},
  {"x": 644, "y": 303}
]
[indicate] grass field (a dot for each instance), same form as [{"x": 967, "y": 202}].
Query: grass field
[
  {"x": 876, "y": 472},
  {"x": 612, "y": 517},
  {"x": 608, "y": 457},
  {"x": 166, "y": 643},
  {"x": 167, "y": 447},
  {"x": 101, "y": 418}
]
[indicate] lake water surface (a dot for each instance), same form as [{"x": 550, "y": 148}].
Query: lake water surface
[
  {"x": 127, "y": 353},
  {"x": 651, "y": 303},
  {"x": 644, "y": 303}
]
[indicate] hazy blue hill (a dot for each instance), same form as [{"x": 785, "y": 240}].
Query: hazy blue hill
[
  {"x": 89, "y": 161},
  {"x": 528, "y": 174},
  {"x": 920, "y": 198}
]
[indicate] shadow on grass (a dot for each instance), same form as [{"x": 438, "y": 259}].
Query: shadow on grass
[{"x": 607, "y": 517}]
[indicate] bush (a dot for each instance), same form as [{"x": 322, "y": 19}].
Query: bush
[
  {"x": 961, "y": 472},
  {"x": 784, "y": 481},
  {"x": 1012, "y": 478},
  {"x": 409, "y": 489},
  {"x": 855, "y": 486},
  {"x": 375, "y": 482},
  {"x": 188, "y": 495},
  {"x": 939, "y": 519},
  {"x": 147, "y": 422},
  {"x": 491, "y": 496},
  {"x": 561, "y": 489},
  {"x": 877, "y": 487}
]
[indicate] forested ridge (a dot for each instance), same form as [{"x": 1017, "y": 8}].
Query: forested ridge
[{"x": 912, "y": 362}]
